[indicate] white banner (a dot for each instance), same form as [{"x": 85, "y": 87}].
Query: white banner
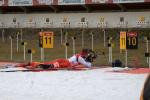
[
  {"x": 70, "y": 2},
  {"x": 100, "y": 1},
  {"x": 45, "y": 2},
  {"x": 127, "y": 1},
  {"x": 1, "y": 2},
  {"x": 20, "y": 3}
]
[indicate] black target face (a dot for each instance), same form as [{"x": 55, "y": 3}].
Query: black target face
[{"x": 132, "y": 40}]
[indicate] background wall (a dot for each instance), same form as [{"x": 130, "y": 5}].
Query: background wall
[{"x": 111, "y": 20}]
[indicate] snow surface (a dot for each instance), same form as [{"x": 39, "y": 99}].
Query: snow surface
[{"x": 97, "y": 84}]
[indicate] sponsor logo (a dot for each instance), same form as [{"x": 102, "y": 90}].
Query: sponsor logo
[
  {"x": 46, "y": 2},
  {"x": 71, "y": 1},
  {"x": 127, "y": 1},
  {"x": 132, "y": 34},
  {"x": 20, "y": 2},
  {"x": 100, "y": 1}
]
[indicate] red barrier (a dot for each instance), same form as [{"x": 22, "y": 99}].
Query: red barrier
[
  {"x": 88, "y": 1},
  {"x": 147, "y": 0},
  {"x": 4, "y": 3}
]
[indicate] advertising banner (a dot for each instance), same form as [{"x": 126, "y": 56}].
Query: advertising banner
[
  {"x": 71, "y": 2},
  {"x": 147, "y": 0},
  {"x": 3, "y": 2},
  {"x": 127, "y": 1},
  {"x": 43, "y": 2},
  {"x": 20, "y": 3},
  {"x": 101, "y": 1}
]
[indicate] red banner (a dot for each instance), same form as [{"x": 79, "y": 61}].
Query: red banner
[
  {"x": 44, "y": 2},
  {"x": 147, "y": 0},
  {"x": 3, "y": 2},
  {"x": 88, "y": 1}
]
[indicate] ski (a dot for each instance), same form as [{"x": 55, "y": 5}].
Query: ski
[{"x": 20, "y": 69}]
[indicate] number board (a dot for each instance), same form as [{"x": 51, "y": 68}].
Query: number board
[
  {"x": 46, "y": 39},
  {"x": 123, "y": 40},
  {"x": 132, "y": 40}
]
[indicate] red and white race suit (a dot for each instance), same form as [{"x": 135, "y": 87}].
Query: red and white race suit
[
  {"x": 78, "y": 59},
  {"x": 62, "y": 63}
]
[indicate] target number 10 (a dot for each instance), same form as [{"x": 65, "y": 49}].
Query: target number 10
[{"x": 132, "y": 40}]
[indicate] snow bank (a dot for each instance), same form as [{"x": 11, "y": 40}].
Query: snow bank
[{"x": 71, "y": 85}]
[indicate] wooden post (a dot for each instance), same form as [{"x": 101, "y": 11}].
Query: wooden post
[
  {"x": 147, "y": 50},
  {"x": 31, "y": 57},
  {"x": 11, "y": 48},
  {"x": 21, "y": 34},
  {"x": 66, "y": 52},
  {"x": 82, "y": 38},
  {"x": 73, "y": 43},
  {"x": 61, "y": 36},
  {"x": 92, "y": 41},
  {"x": 126, "y": 58},
  {"x": 24, "y": 50},
  {"x": 3, "y": 35},
  {"x": 17, "y": 42},
  {"x": 104, "y": 37}
]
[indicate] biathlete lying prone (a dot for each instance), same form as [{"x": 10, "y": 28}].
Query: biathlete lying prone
[{"x": 84, "y": 58}]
